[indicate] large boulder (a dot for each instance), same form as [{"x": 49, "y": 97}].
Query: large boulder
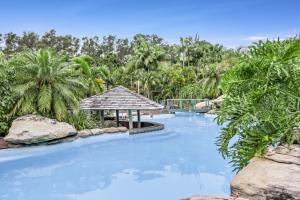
[
  {"x": 276, "y": 176},
  {"x": 202, "y": 105},
  {"x": 34, "y": 129},
  {"x": 217, "y": 102},
  {"x": 212, "y": 106}
]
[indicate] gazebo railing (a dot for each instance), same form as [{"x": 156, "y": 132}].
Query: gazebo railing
[{"x": 184, "y": 105}]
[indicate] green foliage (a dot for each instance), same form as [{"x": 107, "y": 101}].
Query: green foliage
[
  {"x": 137, "y": 64},
  {"x": 144, "y": 65},
  {"x": 198, "y": 53},
  {"x": 145, "y": 55},
  {"x": 174, "y": 79},
  {"x": 192, "y": 91},
  {"x": 211, "y": 79},
  {"x": 32, "y": 41},
  {"x": 82, "y": 121},
  {"x": 262, "y": 104},
  {"x": 46, "y": 84},
  {"x": 6, "y": 77},
  {"x": 94, "y": 77}
]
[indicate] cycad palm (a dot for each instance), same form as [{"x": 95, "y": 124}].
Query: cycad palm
[{"x": 47, "y": 85}]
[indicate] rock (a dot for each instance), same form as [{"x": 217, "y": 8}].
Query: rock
[
  {"x": 201, "y": 105},
  {"x": 276, "y": 176},
  {"x": 89, "y": 132},
  {"x": 110, "y": 123},
  {"x": 96, "y": 131},
  {"x": 34, "y": 129},
  {"x": 85, "y": 133},
  {"x": 10, "y": 145},
  {"x": 212, "y": 111},
  {"x": 297, "y": 132},
  {"x": 206, "y": 197},
  {"x": 212, "y": 106},
  {"x": 122, "y": 129},
  {"x": 65, "y": 139},
  {"x": 218, "y": 100},
  {"x": 114, "y": 129},
  {"x": 3, "y": 144}
]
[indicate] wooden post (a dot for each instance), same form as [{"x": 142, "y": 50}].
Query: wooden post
[
  {"x": 130, "y": 123},
  {"x": 180, "y": 103},
  {"x": 102, "y": 117},
  {"x": 194, "y": 104},
  {"x": 139, "y": 118},
  {"x": 117, "y": 118}
]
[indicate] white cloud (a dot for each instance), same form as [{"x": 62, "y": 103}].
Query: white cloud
[{"x": 255, "y": 38}]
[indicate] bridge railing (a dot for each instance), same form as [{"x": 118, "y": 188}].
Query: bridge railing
[{"x": 183, "y": 104}]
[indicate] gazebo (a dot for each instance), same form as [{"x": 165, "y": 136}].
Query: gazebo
[{"x": 120, "y": 98}]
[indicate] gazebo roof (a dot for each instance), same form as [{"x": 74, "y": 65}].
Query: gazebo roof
[{"x": 119, "y": 98}]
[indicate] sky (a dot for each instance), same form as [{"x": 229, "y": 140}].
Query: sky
[{"x": 232, "y": 23}]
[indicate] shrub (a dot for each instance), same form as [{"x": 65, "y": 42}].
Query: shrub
[
  {"x": 6, "y": 77},
  {"x": 262, "y": 104}
]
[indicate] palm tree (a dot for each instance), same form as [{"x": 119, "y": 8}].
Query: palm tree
[
  {"x": 211, "y": 79},
  {"x": 146, "y": 58},
  {"x": 211, "y": 75},
  {"x": 47, "y": 85},
  {"x": 95, "y": 77}
]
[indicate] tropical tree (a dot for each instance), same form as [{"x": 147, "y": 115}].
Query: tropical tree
[
  {"x": 46, "y": 84},
  {"x": 173, "y": 79},
  {"x": 146, "y": 56},
  {"x": 94, "y": 77},
  {"x": 145, "y": 60},
  {"x": 262, "y": 104},
  {"x": 198, "y": 53},
  {"x": 211, "y": 79},
  {"x": 211, "y": 75},
  {"x": 192, "y": 91}
]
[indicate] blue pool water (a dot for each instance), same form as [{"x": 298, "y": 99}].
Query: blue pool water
[{"x": 177, "y": 162}]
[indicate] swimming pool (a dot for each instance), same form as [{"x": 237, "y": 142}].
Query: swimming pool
[{"x": 174, "y": 163}]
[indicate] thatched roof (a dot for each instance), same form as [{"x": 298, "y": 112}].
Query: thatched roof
[{"x": 119, "y": 98}]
